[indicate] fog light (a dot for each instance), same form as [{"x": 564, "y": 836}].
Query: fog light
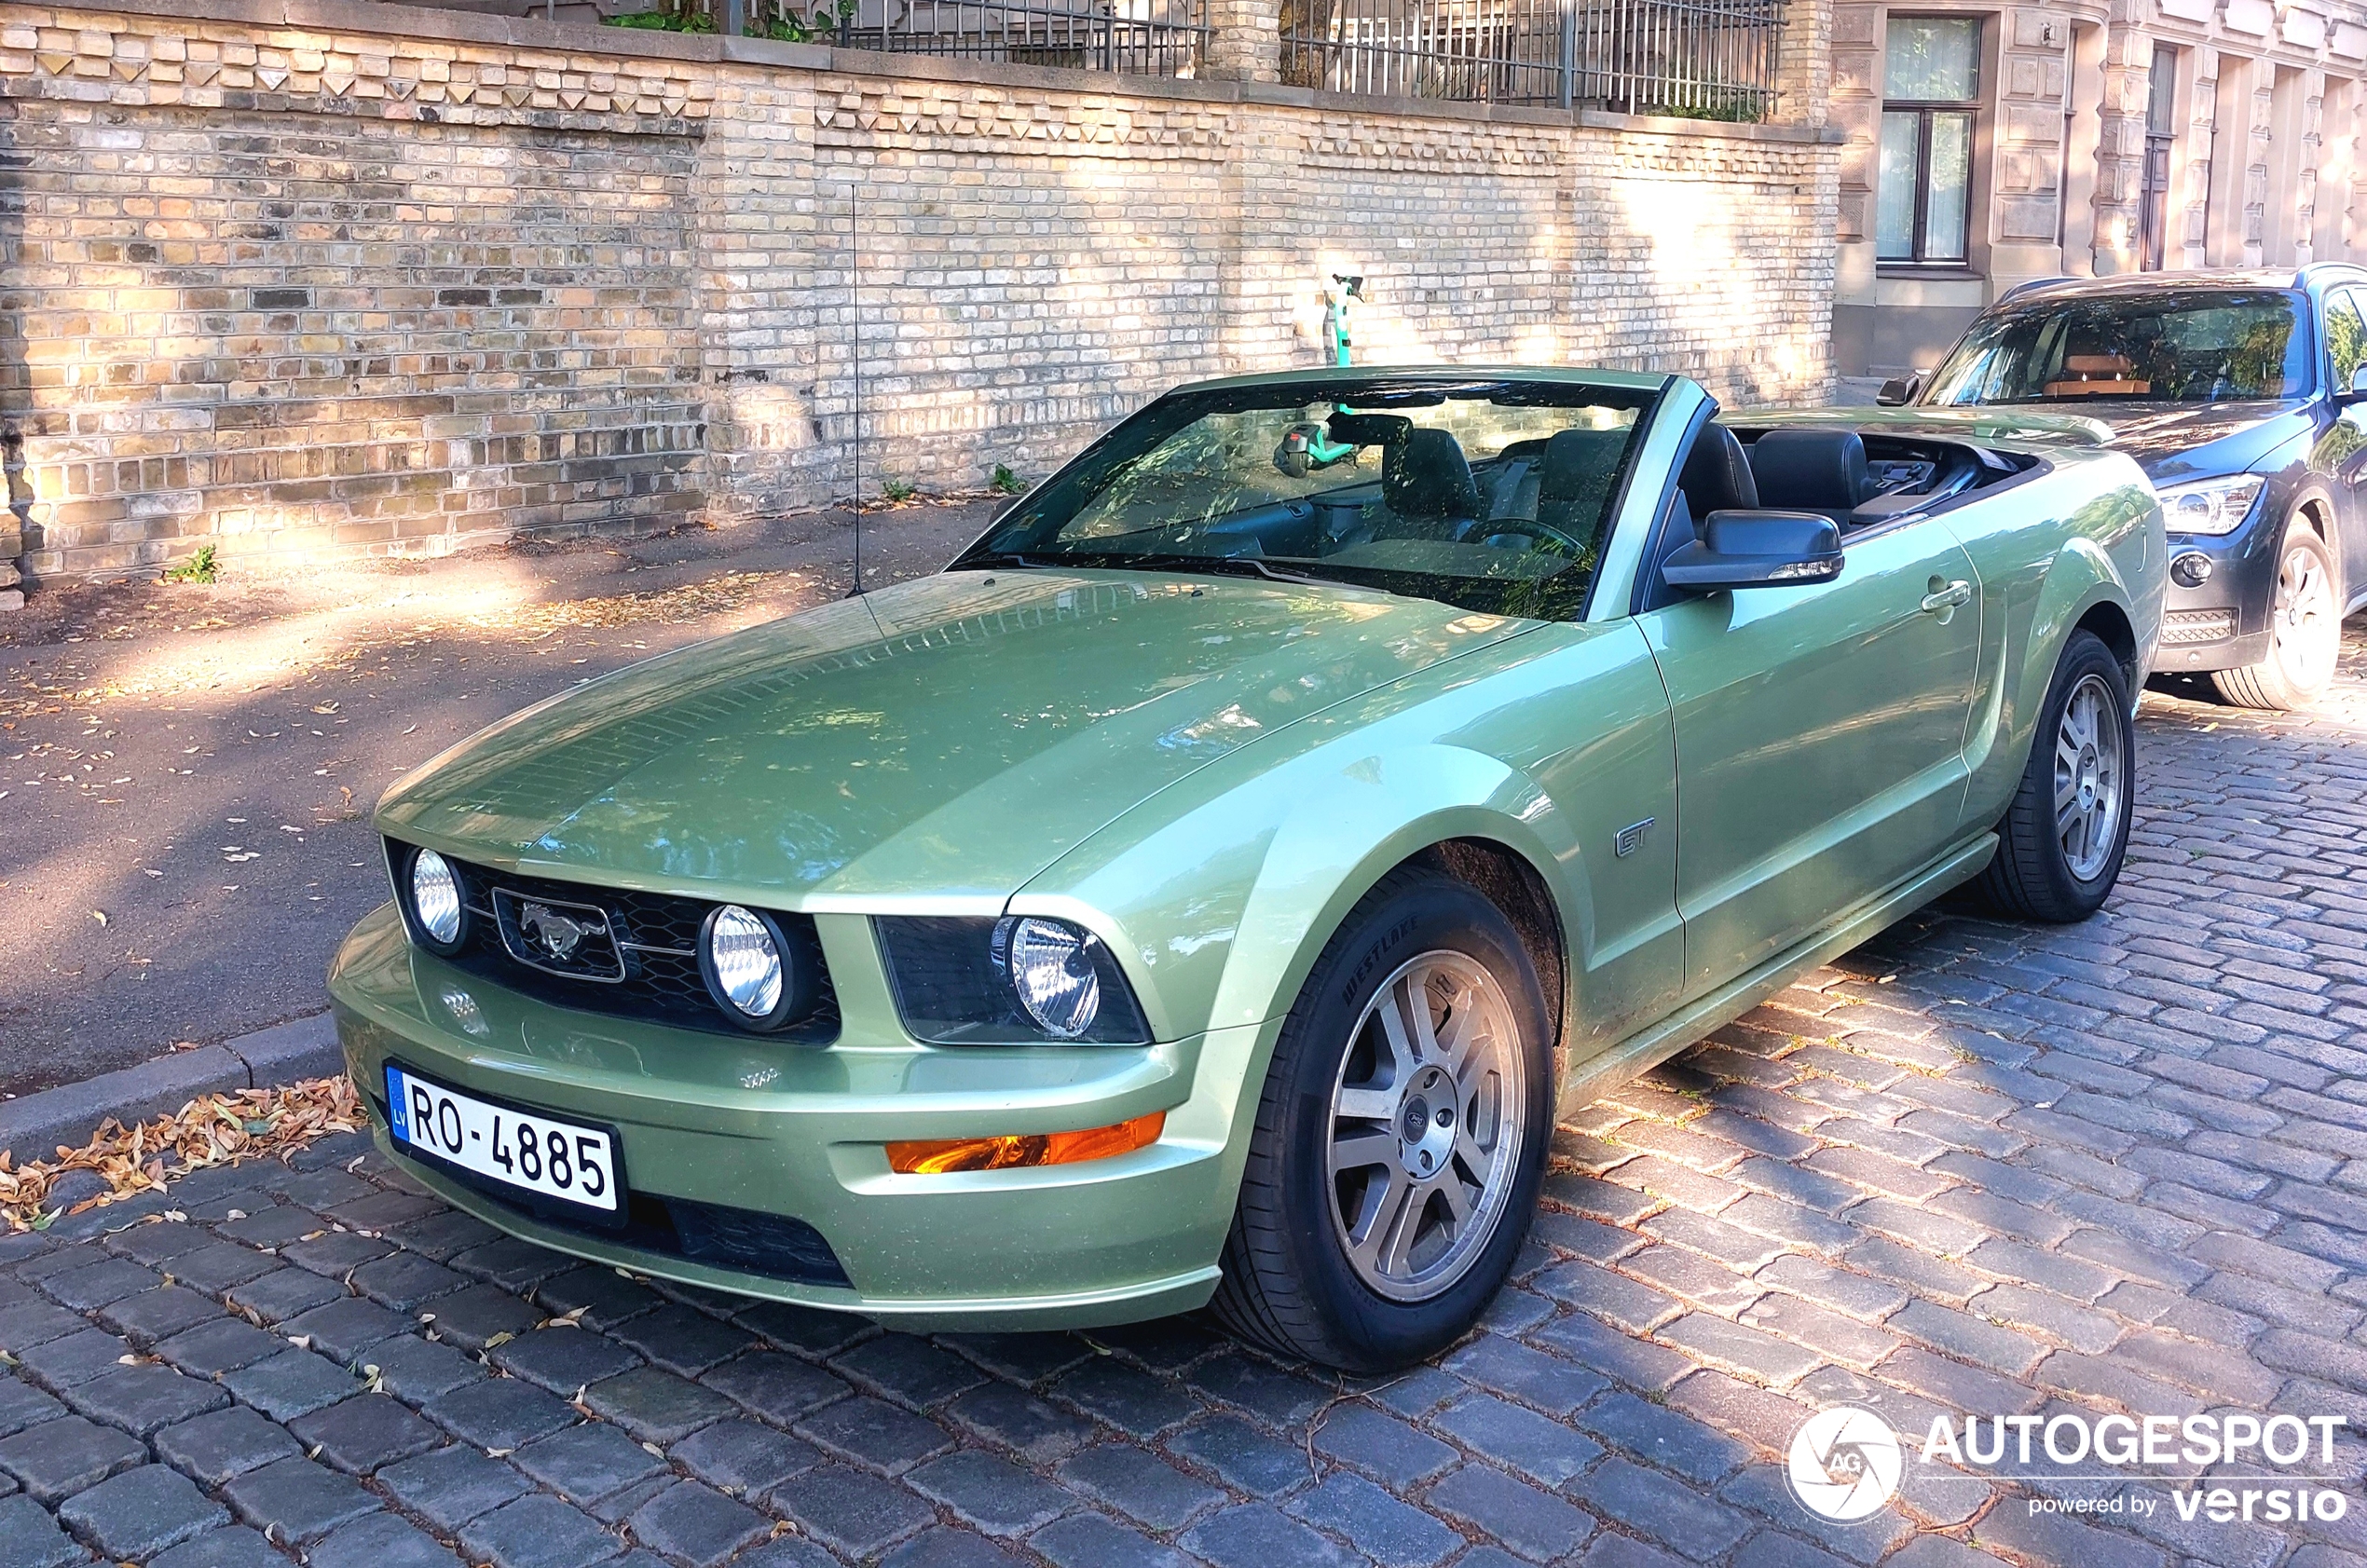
[
  {"x": 2191, "y": 569},
  {"x": 937, "y": 1156}
]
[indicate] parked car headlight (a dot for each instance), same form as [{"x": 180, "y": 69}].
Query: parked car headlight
[
  {"x": 1016, "y": 980},
  {"x": 436, "y": 906},
  {"x": 759, "y": 978},
  {"x": 2211, "y": 506}
]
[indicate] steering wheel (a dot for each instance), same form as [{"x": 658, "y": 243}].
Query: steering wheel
[{"x": 1544, "y": 533}]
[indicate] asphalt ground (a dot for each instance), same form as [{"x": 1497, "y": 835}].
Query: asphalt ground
[{"x": 187, "y": 770}]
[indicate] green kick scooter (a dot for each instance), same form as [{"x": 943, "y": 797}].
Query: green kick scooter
[{"x": 1308, "y": 446}]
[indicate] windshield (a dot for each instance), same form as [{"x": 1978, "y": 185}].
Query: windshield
[
  {"x": 1490, "y": 496},
  {"x": 2158, "y": 346}
]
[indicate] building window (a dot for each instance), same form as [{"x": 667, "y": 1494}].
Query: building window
[
  {"x": 2161, "y": 129},
  {"x": 1931, "y": 86}
]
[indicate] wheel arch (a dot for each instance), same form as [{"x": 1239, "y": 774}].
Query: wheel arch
[
  {"x": 1508, "y": 880},
  {"x": 1508, "y": 855},
  {"x": 2110, "y": 624}
]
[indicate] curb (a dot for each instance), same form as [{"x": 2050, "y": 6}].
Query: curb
[{"x": 33, "y": 1125}]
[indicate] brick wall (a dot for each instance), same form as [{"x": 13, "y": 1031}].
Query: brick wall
[{"x": 353, "y": 278}]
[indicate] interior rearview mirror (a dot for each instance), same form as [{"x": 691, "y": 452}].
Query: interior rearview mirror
[{"x": 1757, "y": 549}]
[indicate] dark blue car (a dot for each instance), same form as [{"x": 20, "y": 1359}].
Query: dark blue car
[{"x": 2244, "y": 395}]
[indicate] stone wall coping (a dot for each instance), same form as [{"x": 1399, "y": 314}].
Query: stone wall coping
[{"x": 430, "y": 23}]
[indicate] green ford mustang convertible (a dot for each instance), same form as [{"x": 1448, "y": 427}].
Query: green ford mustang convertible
[{"x": 1209, "y": 887}]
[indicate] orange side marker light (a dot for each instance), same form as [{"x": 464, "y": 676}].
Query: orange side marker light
[{"x": 937, "y": 1156}]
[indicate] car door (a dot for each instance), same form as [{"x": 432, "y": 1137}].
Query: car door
[
  {"x": 1820, "y": 734},
  {"x": 2341, "y": 453}
]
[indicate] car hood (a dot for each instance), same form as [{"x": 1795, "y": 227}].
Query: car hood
[
  {"x": 948, "y": 737},
  {"x": 2173, "y": 442}
]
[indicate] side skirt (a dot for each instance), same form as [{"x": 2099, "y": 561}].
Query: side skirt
[{"x": 1655, "y": 1043}]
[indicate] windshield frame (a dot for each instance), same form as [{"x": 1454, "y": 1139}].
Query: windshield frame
[
  {"x": 2302, "y": 299},
  {"x": 1048, "y": 507}
]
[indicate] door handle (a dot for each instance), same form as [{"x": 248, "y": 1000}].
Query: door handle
[{"x": 1944, "y": 598}]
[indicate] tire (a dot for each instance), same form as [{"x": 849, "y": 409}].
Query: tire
[
  {"x": 2305, "y": 626},
  {"x": 2081, "y": 773},
  {"x": 1296, "y": 1278}
]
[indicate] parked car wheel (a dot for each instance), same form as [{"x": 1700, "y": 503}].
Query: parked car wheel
[
  {"x": 2062, "y": 839},
  {"x": 1401, "y": 1135},
  {"x": 2305, "y": 630}
]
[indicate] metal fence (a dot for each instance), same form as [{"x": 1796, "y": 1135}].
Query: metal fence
[
  {"x": 1131, "y": 37},
  {"x": 1704, "y": 59},
  {"x": 1127, "y": 38}
]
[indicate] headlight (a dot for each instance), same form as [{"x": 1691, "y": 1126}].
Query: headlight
[
  {"x": 759, "y": 977},
  {"x": 1018, "y": 980},
  {"x": 2211, "y": 506},
  {"x": 435, "y": 899},
  {"x": 1051, "y": 973}
]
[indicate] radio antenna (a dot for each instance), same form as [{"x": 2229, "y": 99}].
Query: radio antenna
[{"x": 855, "y": 341}]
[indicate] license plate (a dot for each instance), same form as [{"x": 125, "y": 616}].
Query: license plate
[{"x": 531, "y": 1151}]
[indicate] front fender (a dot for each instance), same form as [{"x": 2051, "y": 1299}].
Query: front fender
[
  {"x": 1219, "y": 892},
  {"x": 1217, "y": 911}
]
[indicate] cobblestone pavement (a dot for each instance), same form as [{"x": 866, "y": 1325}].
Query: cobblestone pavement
[{"x": 1975, "y": 1167}]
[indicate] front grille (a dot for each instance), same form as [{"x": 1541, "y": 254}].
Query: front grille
[
  {"x": 2181, "y": 628},
  {"x": 636, "y": 958}
]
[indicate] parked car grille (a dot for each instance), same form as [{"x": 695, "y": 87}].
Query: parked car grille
[
  {"x": 2183, "y": 627},
  {"x": 637, "y": 955}
]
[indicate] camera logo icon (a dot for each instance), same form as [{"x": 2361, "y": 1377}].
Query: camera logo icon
[{"x": 1845, "y": 1464}]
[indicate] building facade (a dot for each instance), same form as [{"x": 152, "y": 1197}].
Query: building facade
[{"x": 1990, "y": 144}]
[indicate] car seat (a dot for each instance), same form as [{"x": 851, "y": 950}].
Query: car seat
[
  {"x": 1575, "y": 479},
  {"x": 1811, "y": 471},
  {"x": 1425, "y": 478}
]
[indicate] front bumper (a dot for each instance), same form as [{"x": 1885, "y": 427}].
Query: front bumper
[
  {"x": 769, "y": 1128},
  {"x": 2223, "y": 624}
]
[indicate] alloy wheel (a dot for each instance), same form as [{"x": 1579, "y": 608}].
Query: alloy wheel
[
  {"x": 2304, "y": 625},
  {"x": 2090, "y": 771},
  {"x": 1426, "y": 1126}
]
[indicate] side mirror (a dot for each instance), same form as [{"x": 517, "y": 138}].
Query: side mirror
[
  {"x": 1757, "y": 550},
  {"x": 1895, "y": 393}
]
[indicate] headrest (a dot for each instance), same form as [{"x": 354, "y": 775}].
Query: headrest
[
  {"x": 1811, "y": 469},
  {"x": 1426, "y": 475},
  {"x": 1717, "y": 477}
]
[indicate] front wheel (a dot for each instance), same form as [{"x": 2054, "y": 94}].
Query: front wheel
[
  {"x": 1401, "y": 1135},
  {"x": 2062, "y": 839},
  {"x": 2305, "y": 630}
]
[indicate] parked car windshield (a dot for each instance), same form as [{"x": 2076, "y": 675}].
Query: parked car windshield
[
  {"x": 2150, "y": 346},
  {"x": 1488, "y": 494}
]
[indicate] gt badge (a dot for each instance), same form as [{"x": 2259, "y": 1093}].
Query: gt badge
[{"x": 1631, "y": 836}]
